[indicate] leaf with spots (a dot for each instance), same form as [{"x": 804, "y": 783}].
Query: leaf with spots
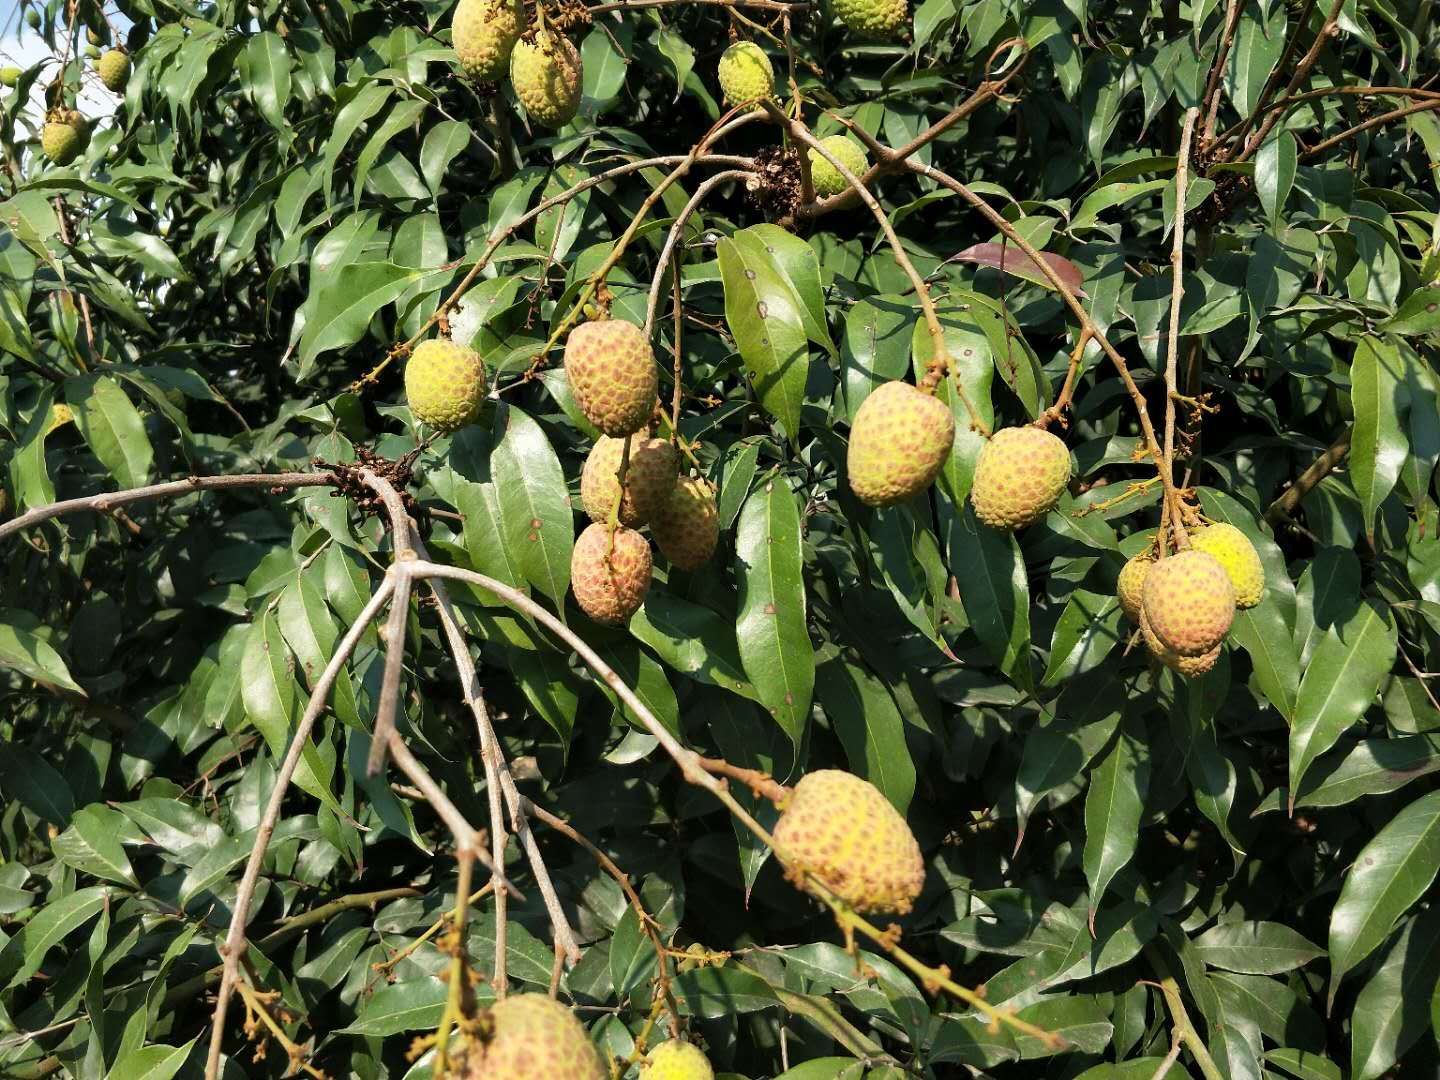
[
  {"x": 769, "y": 327},
  {"x": 971, "y": 365},
  {"x": 534, "y": 501},
  {"x": 774, "y": 640}
]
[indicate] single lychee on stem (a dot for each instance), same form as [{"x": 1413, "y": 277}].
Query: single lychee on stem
[
  {"x": 899, "y": 442},
  {"x": 1019, "y": 477}
]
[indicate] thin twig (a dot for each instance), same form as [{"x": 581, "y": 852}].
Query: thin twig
[
  {"x": 1283, "y": 507},
  {"x": 1170, "y": 510},
  {"x": 673, "y": 238}
]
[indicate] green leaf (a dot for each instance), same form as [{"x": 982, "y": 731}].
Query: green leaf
[
  {"x": 1113, "y": 809},
  {"x": 112, "y": 426},
  {"x": 1089, "y": 628},
  {"x": 1255, "y": 948},
  {"x": 1259, "y": 43},
  {"x": 1379, "y": 442},
  {"x": 875, "y": 348},
  {"x": 1390, "y": 873},
  {"x": 996, "y": 593},
  {"x": 693, "y": 640},
  {"x": 1393, "y": 1010},
  {"x": 32, "y": 656},
  {"x": 1275, "y": 172},
  {"x": 796, "y": 260},
  {"x": 765, "y": 316},
  {"x": 771, "y": 627},
  {"x": 415, "y": 1005},
  {"x": 153, "y": 1062},
  {"x": 1369, "y": 767},
  {"x": 868, "y": 722},
  {"x": 1418, "y": 314},
  {"x": 713, "y": 992},
  {"x": 267, "y": 72},
  {"x": 22, "y": 955},
  {"x": 92, "y": 845},
  {"x": 535, "y": 508},
  {"x": 347, "y": 302},
  {"x": 32, "y": 781}
]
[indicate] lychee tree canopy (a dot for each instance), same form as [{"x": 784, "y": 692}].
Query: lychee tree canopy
[{"x": 1232, "y": 875}]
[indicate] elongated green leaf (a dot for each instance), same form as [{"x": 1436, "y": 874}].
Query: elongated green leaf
[
  {"x": 1255, "y": 948},
  {"x": 771, "y": 629},
  {"x": 22, "y": 955},
  {"x": 532, "y": 495},
  {"x": 1390, "y": 874},
  {"x": 1380, "y": 441},
  {"x": 765, "y": 316},
  {"x": 268, "y": 74},
  {"x": 1393, "y": 1010},
  {"x": 990, "y": 569},
  {"x": 33, "y": 782},
  {"x": 868, "y": 722},
  {"x": 112, "y": 426},
  {"x": 32, "y": 656},
  {"x": 1113, "y": 807},
  {"x": 92, "y": 845}
]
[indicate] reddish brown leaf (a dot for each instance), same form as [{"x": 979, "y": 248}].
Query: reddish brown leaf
[{"x": 1011, "y": 260}]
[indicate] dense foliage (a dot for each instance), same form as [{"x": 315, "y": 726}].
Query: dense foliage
[{"x": 1229, "y": 875}]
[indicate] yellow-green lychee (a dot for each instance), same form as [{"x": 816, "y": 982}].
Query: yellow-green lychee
[
  {"x": 898, "y": 443},
  {"x": 546, "y": 75},
  {"x": 745, "y": 73},
  {"x": 824, "y": 176},
  {"x": 113, "y": 68},
  {"x": 872, "y": 18},
  {"x": 610, "y": 579},
  {"x": 649, "y": 479},
  {"x": 63, "y": 142},
  {"x": 841, "y": 829},
  {"x": 1234, "y": 551},
  {"x": 9, "y": 76},
  {"x": 612, "y": 374},
  {"x": 444, "y": 384},
  {"x": 1019, "y": 477},
  {"x": 1188, "y": 602},
  {"x": 484, "y": 33},
  {"x": 1129, "y": 586},
  {"x": 1189, "y": 666},
  {"x": 529, "y": 1036},
  {"x": 676, "y": 1059},
  {"x": 687, "y": 527}
]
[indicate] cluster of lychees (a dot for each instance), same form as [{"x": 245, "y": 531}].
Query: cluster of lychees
[
  {"x": 66, "y": 132},
  {"x": 1185, "y": 604},
  {"x": 491, "y": 38}
]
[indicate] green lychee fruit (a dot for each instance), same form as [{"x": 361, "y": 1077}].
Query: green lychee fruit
[
  {"x": 1019, "y": 477},
  {"x": 9, "y": 76},
  {"x": 612, "y": 374},
  {"x": 745, "y": 73},
  {"x": 1238, "y": 556},
  {"x": 610, "y": 582},
  {"x": 649, "y": 479},
  {"x": 444, "y": 384},
  {"x": 484, "y": 33},
  {"x": 529, "y": 1036},
  {"x": 687, "y": 527},
  {"x": 114, "y": 70},
  {"x": 872, "y": 18},
  {"x": 898, "y": 443},
  {"x": 63, "y": 142},
  {"x": 1189, "y": 602},
  {"x": 92, "y": 53},
  {"x": 676, "y": 1060},
  {"x": 1189, "y": 666},
  {"x": 32, "y": 19},
  {"x": 841, "y": 829},
  {"x": 1131, "y": 583},
  {"x": 546, "y": 75},
  {"x": 826, "y": 177}
]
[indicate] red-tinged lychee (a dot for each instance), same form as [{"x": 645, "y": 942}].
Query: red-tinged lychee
[
  {"x": 1019, "y": 477},
  {"x": 610, "y": 576},
  {"x": 649, "y": 479},
  {"x": 898, "y": 443},
  {"x": 530, "y": 1037},
  {"x": 612, "y": 374},
  {"x": 1189, "y": 602},
  {"x": 687, "y": 527}
]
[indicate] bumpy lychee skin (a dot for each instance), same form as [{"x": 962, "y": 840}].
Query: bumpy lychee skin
[
  {"x": 687, "y": 527},
  {"x": 841, "y": 829},
  {"x": 745, "y": 73},
  {"x": 62, "y": 142},
  {"x": 444, "y": 384},
  {"x": 610, "y": 584},
  {"x": 484, "y": 33},
  {"x": 113, "y": 68},
  {"x": 1189, "y": 602},
  {"x": 612, "y": 374},
  {"x": 546, "y": 76},
  {"x": 826, "y": 177},
  {"x": 529, "y": 1036},
  {"x": 1189, "y": 666},
  {"x": 898, "y": 443},
  {"x": 1130, "y": 585},
  {"x": 677, "y": 1060},
  {"x": 1019, "y": 477},
  {"x": 872, "y": 18},
  {"x": 1234, "y": 551},
  {"x": 649, "y": 479}
]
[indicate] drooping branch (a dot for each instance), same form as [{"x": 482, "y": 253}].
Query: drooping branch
[
  {"x": 1281, "y": 509},
  {"x": 1170, "y": 510}
]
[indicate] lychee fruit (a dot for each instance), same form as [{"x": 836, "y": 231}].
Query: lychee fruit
[
  {"x": 610, "y": 579},
  {"x": 687, "y": 527},
  {"x": 1189, "y": 666},
  {"x": 529, "y": 1036},
  {"x": 824, "y": 176},
  {"x": 63, "y": 141},
  {"x": 114, "y": 69},
  {"x": 546, "y": 75},
  {"x": 484, "y": 33},
  {"x": 871, "y": 18},
  {"x": 649, "y": 479},
  {"x": 1019, "y": 477},
  {"x": 842, "y": 830},
  {"x": 444, "y": 384},
  {"x": 9, "y": 76},
  {"x": 745, "y": 73},
  {"x": 1234, "y": 551},
  {"x": 1131, "y": 583},
  {"x": 1188, "y": 602},
  {"x": 898, "y": 443},
  {"x": 612, "y": 374},
  {"x": 676, "y": 1059}
]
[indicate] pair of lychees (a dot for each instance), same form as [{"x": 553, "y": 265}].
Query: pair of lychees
[{"x": 490, "y": 38}]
